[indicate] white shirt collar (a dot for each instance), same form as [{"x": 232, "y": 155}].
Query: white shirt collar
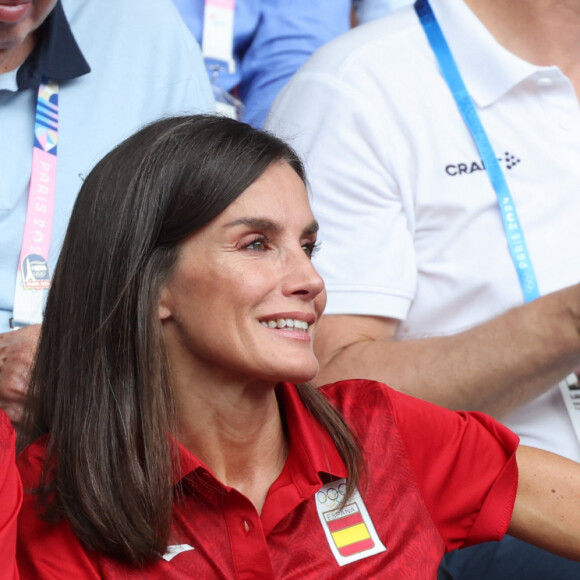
[{"x": 489, "y": 71}]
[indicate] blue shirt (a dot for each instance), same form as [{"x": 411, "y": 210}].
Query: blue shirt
[
  {"x": 272, "y": 39},
  {"x": 127, "y": 63}
]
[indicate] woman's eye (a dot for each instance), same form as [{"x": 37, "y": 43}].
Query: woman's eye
[
  {"x": 310, "y": 248},
  {"x": 257, "y": 245}
]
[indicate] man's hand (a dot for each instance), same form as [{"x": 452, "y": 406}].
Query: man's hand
[{"x": 17, "y": 351}]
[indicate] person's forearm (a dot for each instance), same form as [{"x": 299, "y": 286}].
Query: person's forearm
[
  {"x": 494, "y": 367},
  {"x": 547, "y": 502}
]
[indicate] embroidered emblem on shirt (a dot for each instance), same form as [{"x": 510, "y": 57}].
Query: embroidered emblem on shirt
[
  {"x": 350, "y": 531},
  {"x": 176, "y": 549}
]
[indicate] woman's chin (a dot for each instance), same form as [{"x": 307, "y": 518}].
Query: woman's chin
[{"x": 302, "y": 375}]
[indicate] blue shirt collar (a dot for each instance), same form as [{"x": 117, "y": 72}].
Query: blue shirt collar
[{"x": 57, "y": 55}]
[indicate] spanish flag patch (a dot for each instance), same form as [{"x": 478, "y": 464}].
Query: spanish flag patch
[{"x": 349, "y": 530}]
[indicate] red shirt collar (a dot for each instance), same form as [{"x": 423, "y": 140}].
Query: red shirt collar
[{"x": 311, "y": 451}]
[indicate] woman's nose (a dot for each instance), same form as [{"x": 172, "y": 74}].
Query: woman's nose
[{"x": 303, "y": 279}]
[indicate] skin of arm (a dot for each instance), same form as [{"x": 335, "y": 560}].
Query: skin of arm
[
  {"x": 494, "y": 367},
  {"x": 547, "y": 502},
  {"x": 17, "y": 350}
]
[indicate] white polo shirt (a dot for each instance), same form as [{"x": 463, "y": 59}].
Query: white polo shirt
[{"x": 410, "y": 226}]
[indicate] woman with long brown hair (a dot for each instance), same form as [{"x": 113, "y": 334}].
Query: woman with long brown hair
[{"x": 172, "y": 429}]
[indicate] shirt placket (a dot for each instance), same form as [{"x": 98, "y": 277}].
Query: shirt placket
[{"x": 247, "y": 541}]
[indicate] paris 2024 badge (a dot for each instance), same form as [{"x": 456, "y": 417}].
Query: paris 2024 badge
[{"x": 35, "y": 274}]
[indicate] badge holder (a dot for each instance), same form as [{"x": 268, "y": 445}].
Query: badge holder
[
  {"x": 226, "y": 104},
  {"x": 217, "y": 46}
]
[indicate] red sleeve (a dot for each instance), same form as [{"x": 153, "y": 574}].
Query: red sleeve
[
  {"x": 10, "y": 500},
  {"x": 465, "y": 466},
  {"x": 46, "y": 551}
]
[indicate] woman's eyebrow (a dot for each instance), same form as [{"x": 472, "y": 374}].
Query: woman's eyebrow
[
  {"x": 268, "y": 225},
  {"x": 311, "y": 229},
  {"x": 257, "y": 223}
]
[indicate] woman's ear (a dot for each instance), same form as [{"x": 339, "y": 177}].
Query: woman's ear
[{"x": 164, "y": 304}]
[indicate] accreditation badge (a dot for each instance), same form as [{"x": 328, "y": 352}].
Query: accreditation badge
[
  {"x": 350, "y": 531},
  {"x": 35, "y": 273}
]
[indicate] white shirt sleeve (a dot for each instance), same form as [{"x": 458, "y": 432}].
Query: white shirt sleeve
[{"x": 367, "y": 258}]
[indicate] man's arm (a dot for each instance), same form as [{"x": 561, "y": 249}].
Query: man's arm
[
  {"x": 494, "y": 367},
  {"x": 17, "y": 350},
  {"x": 547, "y": 502}
]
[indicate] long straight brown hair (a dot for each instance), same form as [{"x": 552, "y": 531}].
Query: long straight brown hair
[{"x": 100, "y": 387}]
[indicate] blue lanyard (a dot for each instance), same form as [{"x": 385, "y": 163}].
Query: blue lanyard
[{"x": 511, "y": 223}]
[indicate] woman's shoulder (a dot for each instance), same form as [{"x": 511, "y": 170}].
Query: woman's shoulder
[
  {"x": 7, "y": 437},
  {"x": 357, "y": 392},
  {"x": 47, "y": 549},
  {"x": 366, "y": 405},
  {"x": 10, "y": 499},
  {"x": 30, "y": 461}
]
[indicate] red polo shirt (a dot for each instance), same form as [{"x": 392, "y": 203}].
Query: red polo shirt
[
  {"x": 437, "y": 480},
  {"x": 10, "y": 500}
]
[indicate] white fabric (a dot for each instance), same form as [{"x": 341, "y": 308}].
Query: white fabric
[
  {"x": 404, "y": 233},
  {"x": 370, "y": 9}
]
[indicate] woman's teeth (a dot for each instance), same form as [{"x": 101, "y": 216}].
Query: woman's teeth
[{"x": 286, "y": 323}]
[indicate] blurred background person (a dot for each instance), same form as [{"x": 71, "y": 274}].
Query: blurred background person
[{"x": 252, "y": 47}]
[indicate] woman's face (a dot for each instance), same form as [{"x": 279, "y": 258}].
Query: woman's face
[{"x": 244, "y": 299}]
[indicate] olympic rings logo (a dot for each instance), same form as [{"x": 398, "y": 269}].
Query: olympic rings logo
[{"x": 332, "y": 496}]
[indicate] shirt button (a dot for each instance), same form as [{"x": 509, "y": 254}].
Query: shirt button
[
  {"x": 544, "y": 82},
  {"x": 247, "y": 525},
  {"x": 565, "y": 124}
]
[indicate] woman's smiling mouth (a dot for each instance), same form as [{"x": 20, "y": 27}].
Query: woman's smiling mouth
[{"x": 288, "y": 323}]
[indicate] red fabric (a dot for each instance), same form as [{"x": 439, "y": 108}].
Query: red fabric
[
  {"x": 10, "y": 500},
  {"x": 437, "y": 480}
]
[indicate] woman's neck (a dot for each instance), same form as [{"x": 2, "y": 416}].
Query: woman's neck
[{"x": 238, "y": 434}]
